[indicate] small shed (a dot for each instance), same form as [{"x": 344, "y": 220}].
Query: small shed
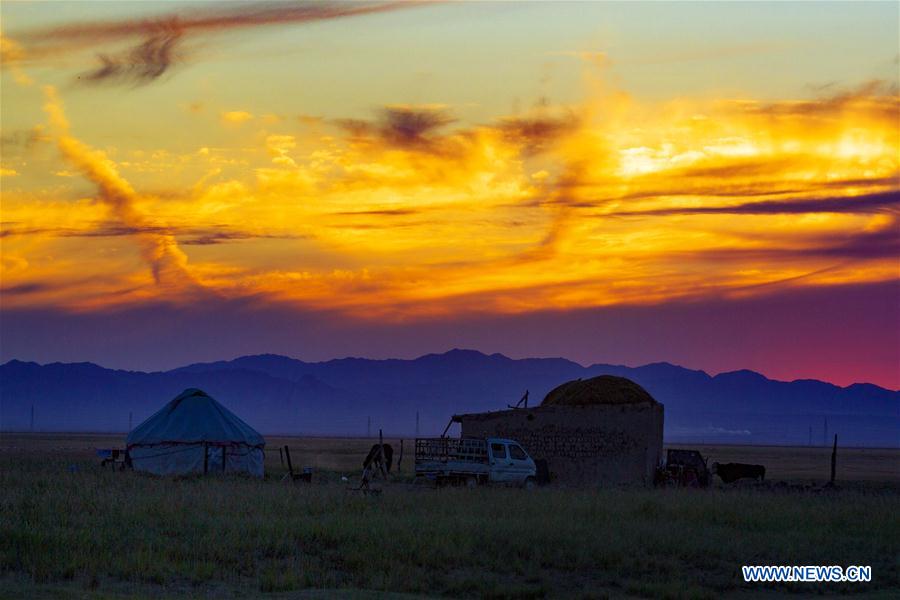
[
  {"x": 601, "y": 431},
  {"x": 195, "y": 434}
]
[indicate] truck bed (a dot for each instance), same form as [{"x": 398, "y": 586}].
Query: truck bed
[{"x": 445, "y": 457}]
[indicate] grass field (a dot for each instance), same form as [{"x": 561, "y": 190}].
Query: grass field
[{"x": 71, "y": 529}]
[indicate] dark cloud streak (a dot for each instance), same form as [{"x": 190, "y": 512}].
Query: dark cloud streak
[
  {"x": 158, "y": 41},
  {"x": 144, "y": 63},
  {"x": 189, "y": 236},
  {"x": 536, "y": 134},
  {"x": 880, "y": 96},
  {"x": 883, "y": 243},
  {"x": 385, "y": 212},
  {"x": 405, "y": 127},
  {"x": 870, "y": 203},
  {"x": 25, "y": 288}
]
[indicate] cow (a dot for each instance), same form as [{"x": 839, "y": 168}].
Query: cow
[{"x": 731, "y": 472}]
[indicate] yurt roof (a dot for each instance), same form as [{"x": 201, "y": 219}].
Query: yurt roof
[
  {"x": 191, "y": 417},
  {"x": 601, "y": 390}
]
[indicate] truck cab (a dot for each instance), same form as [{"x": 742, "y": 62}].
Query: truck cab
[{"x": 509, "y": 462}]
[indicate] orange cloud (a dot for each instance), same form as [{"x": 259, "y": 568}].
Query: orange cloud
[{"x": 607, "y": 202}]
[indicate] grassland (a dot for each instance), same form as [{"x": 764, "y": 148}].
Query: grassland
[{"x": 71, "y": 529}]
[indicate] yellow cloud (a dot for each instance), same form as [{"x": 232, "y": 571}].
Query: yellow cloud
[
  {"x": 236, "y": 116},
  {"x": 12, "y": 54},
  {"x": 168, "y": 263},
  {"x": 279, "y": 146}
]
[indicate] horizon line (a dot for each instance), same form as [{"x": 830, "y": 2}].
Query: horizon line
[{"x": 457, "y": 349}]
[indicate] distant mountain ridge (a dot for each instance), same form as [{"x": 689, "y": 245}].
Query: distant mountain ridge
[{"x": 279, "y": 394}]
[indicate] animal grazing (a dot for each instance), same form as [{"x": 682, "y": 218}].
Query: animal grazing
[
  {"x": 376, "y": 460},
  {"x": 731, "y": 472}
]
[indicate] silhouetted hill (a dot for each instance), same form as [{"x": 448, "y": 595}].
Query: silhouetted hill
[{"x": 278, "y": 394}]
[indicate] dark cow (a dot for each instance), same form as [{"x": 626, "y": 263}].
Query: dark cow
[
  {"x": 376, "y": 460},
  {"x": 731, "y": 472}
]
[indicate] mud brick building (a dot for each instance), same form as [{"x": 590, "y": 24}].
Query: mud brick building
[{"x": 601, "y": 431}]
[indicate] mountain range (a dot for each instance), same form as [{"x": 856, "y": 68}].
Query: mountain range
[{"x": 358, "y": 396}]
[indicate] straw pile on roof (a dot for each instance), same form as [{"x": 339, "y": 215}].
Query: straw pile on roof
[{"x": 605, "y": 389}]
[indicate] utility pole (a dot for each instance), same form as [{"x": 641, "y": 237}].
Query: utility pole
[{"x": 417, "y": 423}]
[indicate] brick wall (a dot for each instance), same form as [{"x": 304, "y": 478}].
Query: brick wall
[{"x": 583, "y": 445}]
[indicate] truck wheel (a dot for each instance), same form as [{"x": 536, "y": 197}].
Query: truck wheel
[{"x": 530, "y": 483}]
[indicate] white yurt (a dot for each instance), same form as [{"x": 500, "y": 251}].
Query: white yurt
[{"x": 195, "y": 434}]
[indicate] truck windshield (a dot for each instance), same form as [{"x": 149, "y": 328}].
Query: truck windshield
[
  {"x": 498, "y": 450},
  {"x": 516, "y": 452}
]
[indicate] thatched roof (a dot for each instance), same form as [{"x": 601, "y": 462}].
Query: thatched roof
[{"x": 605, "y": 389}]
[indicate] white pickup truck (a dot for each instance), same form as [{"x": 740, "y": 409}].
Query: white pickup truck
[{"x": 473, "y": 461}]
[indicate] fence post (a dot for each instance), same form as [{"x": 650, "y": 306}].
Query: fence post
[
  {"x": 833, "y": 458},
  {"x": 287, "y": 455},
  {"x": 378, "y": 458}
]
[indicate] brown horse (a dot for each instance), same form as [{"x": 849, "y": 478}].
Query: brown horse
[{"x": 379, "y": 460}]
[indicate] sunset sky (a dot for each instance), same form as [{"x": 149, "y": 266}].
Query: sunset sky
[{"x": 713, "y": 185}]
